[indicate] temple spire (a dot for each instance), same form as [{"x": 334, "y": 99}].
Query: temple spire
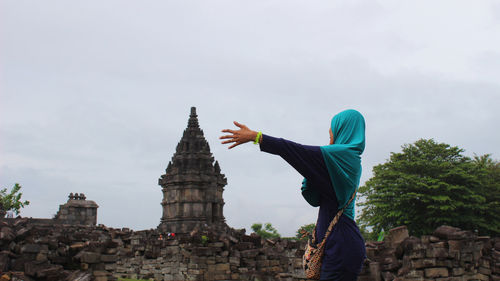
[
  {"x": 192, "y": 185},
  {"x": 193, "y": 119}
]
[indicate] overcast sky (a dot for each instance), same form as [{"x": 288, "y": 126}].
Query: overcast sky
[{"x": 95, "y": 95}]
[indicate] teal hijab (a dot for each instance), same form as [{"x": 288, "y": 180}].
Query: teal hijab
[{"x": 342, "y": 159}]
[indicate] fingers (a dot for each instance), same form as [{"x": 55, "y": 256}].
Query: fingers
[
  {"x": 239, "y": 125},
  {"x": 228, "y": 131},
  {"x": 236, "y": 144}
]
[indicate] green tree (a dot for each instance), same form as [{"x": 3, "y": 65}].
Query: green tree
[
  {"x": 267, "y": 232},
  {"x": 430, "y": 184},
  {"x": 12, "y": 201},
  {"x": 303, "y": 231}
]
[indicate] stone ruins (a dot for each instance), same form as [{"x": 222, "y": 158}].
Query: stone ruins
[
  {"x": 31, "y": 251},
  {"x": 71, "y": 247},
  {"x": 192, "y": 185},
  {"x": 78, "y": 210}
]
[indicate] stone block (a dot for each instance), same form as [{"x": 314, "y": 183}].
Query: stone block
[
  {"x": 436, "y": 272},
  {"x": 433, "y": 239},
  {"x": 485, "y": 262},
  {"x": 495, "y": 277},
  {"x": 77, "y": 246},
  {"x": 484, "y": 270},
  {"x": 194, "y": 271},
  {"x": 274, "y": 262},
  {"x": 222, "y": 267},
  {"x": 444, "y": 263},
  {"x": 438, "y": 245},
  {"x": 100, "y": 273},
  {"x": 30, "y": 249},
  {"x": 234, "y": 261},
  {"x": 457, "y": 271},
  {"x": 249, "y": 262},
  {"x": 109, "y": 258},
  {"x": 262, "y": 263},
  {"x": 466, "y": 257},
  {"x": 375, "y": 271},
  {"x": 387, "y": 276},
  {"x": 417, "y": 254},
  {"x": 415, "y": 274},
  {"x": 455, "y": 245},
  {"x": 250, "y": 253},
  {"x": 89, "y": 257},
  {"x": 84, "y": 266},
  {"x": 436, "y": 253},
  {"x": 423, "y": 263},
  {"x": 219, "y": 259},
  {"x": 275, "y": 269},
  {"x": 41, "y": 257},
  {"x": 22, "y": 232},
  {"x": 452, "y": 233},
  {"x": 222, "y": 276},
  {"x": 397, "y": 235},
  {"x": 216, "y": 245},
  {"x": 477, "y": 276}
]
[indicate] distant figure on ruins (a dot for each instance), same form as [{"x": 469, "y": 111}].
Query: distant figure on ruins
[{"x": 331, "y": 178}]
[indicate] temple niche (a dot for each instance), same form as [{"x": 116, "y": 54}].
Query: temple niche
[{"x": 192, "y": 185}]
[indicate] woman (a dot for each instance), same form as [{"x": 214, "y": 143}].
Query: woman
[{"x": 331, "y": 175}]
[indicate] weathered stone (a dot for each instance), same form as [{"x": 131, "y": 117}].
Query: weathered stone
[
  {"x": 109, "y": 258},
  {"x": 455, "y": 245},
  {"x": 438, "y": 245},
  {"x": 375, "y": 271},
  {"x": 417, "y": 254},
  {"x": 423, "y": 263},
  {"x": 436, "y": 253},
  {"x": 415, "y": 274},
  {"x": 30, "y": 248},
  {"x": 457, "y": 271},
  {"x": 485, "y": 271},
  {"x": 89, "y": 257},
  {"x": 477, "y": 276},
  {"x": 397, "y": 235},
  {"x": 80, "y": 276},
  {"x": 222, "y": 267},
  {"x": 250, "y": 253},
  {"x": 433, "y": 239},
  {"x": 436, "y": 272},
  {"x": 386, "y": 276},
  {"x": 452, "y": 233},
  {"x": 6, "y": 234}
]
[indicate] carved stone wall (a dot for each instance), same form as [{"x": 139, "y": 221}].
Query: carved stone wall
[{"x": 192, "y": 185}]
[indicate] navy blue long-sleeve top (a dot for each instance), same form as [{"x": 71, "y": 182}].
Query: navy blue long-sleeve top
[{"x": 345, "y": 248}]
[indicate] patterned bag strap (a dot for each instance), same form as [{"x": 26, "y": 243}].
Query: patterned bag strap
[{"x": 335, "y": 220}]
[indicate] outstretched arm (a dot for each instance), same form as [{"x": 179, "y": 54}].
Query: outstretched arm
[{"x": 307, "y": 160}]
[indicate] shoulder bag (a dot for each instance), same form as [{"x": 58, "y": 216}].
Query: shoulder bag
[{"x": 314, "y": 252}]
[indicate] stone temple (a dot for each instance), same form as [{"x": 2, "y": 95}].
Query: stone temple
[{"x": 192, "y": 185}]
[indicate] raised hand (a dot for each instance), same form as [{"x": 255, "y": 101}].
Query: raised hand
[{"x": 237, "y": 137}]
